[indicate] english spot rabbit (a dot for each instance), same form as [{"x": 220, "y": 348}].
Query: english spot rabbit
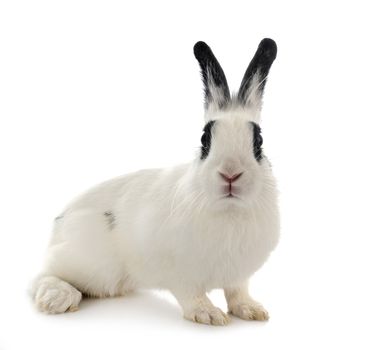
[{"x": 188, "y": 229}]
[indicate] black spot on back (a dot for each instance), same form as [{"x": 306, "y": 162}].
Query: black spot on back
[
  {"x": 257, "y": 141},
  {"x": 206, "y": 139},
  {"x": 110, "y": 219}
]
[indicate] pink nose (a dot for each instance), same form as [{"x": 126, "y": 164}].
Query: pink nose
[{"x": 230, "y": 179}]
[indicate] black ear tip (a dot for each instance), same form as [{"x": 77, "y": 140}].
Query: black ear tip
[
  {"x": 201, "y": 49},
  {"x": 268, "y": 47}
]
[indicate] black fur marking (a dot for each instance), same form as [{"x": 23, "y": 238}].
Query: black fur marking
[
  {"x": 260, "y": 64},
  {"x": 206, "y": 139},
  {"x": 110, "y": 218},
  {"x": 59, "y": 217},
  {"x": 210, "y": 67},
  {"x": 257, "y": 141}
]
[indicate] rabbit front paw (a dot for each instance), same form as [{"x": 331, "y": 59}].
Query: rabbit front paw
[
  {"x": 208, "y": 315},
  {"x": 249, "y": 311}
]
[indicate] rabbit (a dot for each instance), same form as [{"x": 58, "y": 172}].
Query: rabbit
[{"x": 209, "y": 224}]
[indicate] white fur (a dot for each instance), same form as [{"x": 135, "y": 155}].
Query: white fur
[{"x": 172, "y": 229}]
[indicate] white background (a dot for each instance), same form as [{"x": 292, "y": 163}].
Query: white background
[{"x": 93, "y": 89}]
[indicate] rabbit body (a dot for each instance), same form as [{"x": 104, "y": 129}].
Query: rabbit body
[{"x": 139, "y": 231}]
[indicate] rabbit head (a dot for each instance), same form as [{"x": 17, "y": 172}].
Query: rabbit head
[{"x": 232, "y": 168}]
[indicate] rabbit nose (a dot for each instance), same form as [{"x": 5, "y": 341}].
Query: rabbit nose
[{"x": 230, "y": 179}]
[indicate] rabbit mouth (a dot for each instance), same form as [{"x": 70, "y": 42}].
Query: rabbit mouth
[
  {"x": 230, "y": 191},
  {"x": 230, "y": 195},
  {"x": 230, "y": 198}
]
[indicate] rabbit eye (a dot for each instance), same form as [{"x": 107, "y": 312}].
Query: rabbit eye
[
  {"x": 206, "y": 139},
  {"x": 257, "y": 141}
]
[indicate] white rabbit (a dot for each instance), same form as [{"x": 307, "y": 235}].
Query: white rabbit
[{"x": 189, "y": 229}]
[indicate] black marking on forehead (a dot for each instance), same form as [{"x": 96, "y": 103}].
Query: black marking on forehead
[
  {"x": 206, "y": 139},
  {"x": 110, "y": 219},
  {"x": 257, "y": 141}
]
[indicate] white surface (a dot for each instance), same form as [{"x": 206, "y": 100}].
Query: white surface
[{"x": 87, "y": 93}]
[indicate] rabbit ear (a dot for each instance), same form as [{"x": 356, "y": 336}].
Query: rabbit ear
[
  {"x": 215, "y": 83},
  {"x": 253, "y": 82}
]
